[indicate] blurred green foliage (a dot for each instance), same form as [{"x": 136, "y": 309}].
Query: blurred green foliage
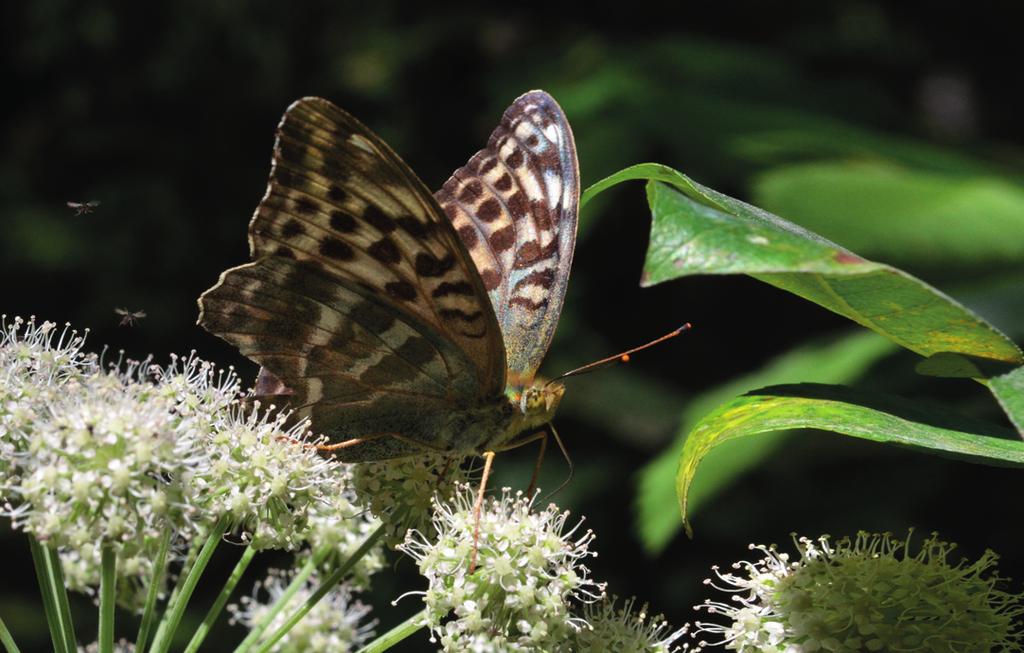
[
  {"x": 880, "y": 126},
  {"x": 962, "y": 220}
]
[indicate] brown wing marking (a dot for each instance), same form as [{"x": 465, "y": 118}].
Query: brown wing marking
[{"x": 361, "y": 299}]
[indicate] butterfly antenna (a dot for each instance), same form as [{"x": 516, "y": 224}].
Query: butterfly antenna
[
  {"x": 488, "y": 459},
  {"x": 622, "y": 357}
]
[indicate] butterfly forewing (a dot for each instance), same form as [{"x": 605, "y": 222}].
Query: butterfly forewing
[
  {"x": 514, "y": 206},
  {"x": 361, "y": 300},
  {"x": 339, "y": 197}
]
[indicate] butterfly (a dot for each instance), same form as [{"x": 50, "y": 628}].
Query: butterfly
[{"x": 400, "y": 322}]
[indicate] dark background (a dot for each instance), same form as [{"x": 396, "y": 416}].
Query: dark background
[{"x": 165, "y": 114}]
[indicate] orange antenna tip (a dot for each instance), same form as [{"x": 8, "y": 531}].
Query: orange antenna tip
[{"x": 623, "y": 357}]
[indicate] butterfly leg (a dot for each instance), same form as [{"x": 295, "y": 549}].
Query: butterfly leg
[
  {"x": 488, "y": 459},
  {"x": 568, "y": 460},
  {"x": 543, "y": 437},
  {"x": 444, "y": 472},
  {"x": 536, "y": 467},
  {"x": 351, "y": 442}
]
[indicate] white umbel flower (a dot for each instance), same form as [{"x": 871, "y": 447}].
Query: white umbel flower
[
  {"x": 125, "y": 457},
  {"x": 529, "y": 573},
  {"x": 340, "y": 524},
  {"x": 263, "y": 474},
  {"x": 36, "y": 360},
  {"x": 336, "y": 624},
  {"x": 135, "y": 562},
  {"x": 624, "y": 630},
  {"x": 120, "y": 646},
  {"x": 868, "y": 593},
  {"x": 400, "y": 492},
  {"x": 100, "y": 462}
]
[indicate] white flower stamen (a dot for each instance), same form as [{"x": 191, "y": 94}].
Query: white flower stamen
[
  {"x": 529, "y": 573},
  {"x": 868, "y": 593}
]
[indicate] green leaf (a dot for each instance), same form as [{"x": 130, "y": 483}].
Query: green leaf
[
  {"x": 1009, "y": 391},
  {"x": 696, "y": 230},
  {"x": 859, "y": 414},
  {"x": 949, "y": 365},
  {"x": 900, "y": 214},
  {"x": 841, "y": 360}
]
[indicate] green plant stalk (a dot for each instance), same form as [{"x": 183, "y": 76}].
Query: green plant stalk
[
  {"x": 190, "y": 559},
  {"x": 46, "y": 590},
  {"x": 176, "y": 606},
  {"x": 396, "y": 634},
  {"x": 326, "y": 586},
  {"x": 300, "y": 578},
  {"x": 61, "y": 597},
  {"x": 149, "y": 611},
  {"x": 222, "y": 599},
  {"x": 6, "y": 639},
  {"x": 108, "y": 586}
]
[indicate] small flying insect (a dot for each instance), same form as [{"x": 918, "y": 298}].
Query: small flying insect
[
  {"x": 81, "y": 208},
  {"x": 129, "y": 318}
]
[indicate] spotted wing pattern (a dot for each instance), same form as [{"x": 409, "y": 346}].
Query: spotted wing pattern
[
  {"x": 361, "y": 302},
  {"x": 514, "y": 206}
]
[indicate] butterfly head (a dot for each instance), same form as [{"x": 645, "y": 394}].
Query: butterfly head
[{"x": 540, "y": 401}]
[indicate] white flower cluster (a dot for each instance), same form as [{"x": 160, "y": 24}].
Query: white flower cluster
[
  {"x": 35, "y": 360},
  {"x": 339, "y": 523},
  {"x": 121, "y": 646},
  {"x": 864, "y": 594},
  {"x": 99, "y": 459},
  {"x": 624, "y": 630},
  {"x": 529, "y": 572},
  {"x": 262, "y": 475},
  {"x": 135, "y": 457},
  {"x": 401, "y": 491},
  {"x": 119, "y": 457},
  {"x": 334, "y": 625},
  {"x": 81, "y": 567}
]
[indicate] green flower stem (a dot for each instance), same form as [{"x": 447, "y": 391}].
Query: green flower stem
[
  {"x": 61, "y": 597},
  {"x": 397, "y": 634},
  {"x": 6, "y": 639},
  {"x": 222, "y": 599},
  {"x": 300, "y": 578},
  {"x": 326, "y": 586},
  {"x": 149, "y": 611},
  {"x": 46, "y": 589},
  {"x": 190, "y": 559},
  {"x": 108, "y": 585},
  {"x": 176, "y": 606}
]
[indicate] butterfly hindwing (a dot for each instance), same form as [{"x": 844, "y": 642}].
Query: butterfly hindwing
[
  {"x": 354, "y": 366},
  {"x": 514, "y": 206},
  {"x": 360, "y": 298}
]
